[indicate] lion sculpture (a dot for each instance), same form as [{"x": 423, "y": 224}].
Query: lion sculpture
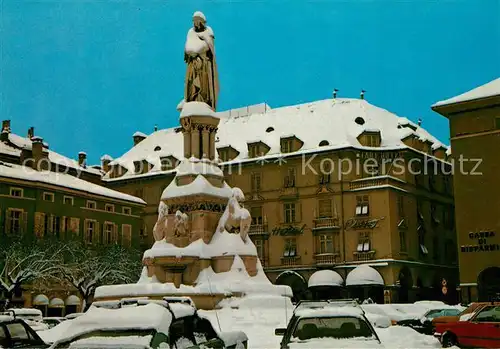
[
  {"x": 235, "y": 219},
  {"x": 180, "y": 224}
]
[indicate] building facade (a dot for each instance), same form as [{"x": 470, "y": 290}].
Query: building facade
[
  {"x": 475, "y": 138},
  {"x": 43, "y": 193},
  {"x": 310, "y": 210}
]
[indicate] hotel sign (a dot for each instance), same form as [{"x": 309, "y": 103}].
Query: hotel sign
[
  {"x": 356, "y": 223},
  {"x": 483, "y": 244},
  {"x": 288, "y": 230}
]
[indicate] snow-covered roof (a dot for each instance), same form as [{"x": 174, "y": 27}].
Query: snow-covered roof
[
  {"x": 331, "y": 120},
  {"x": 56, "y": 158},
  {"x": 63, "y": 180},
  {"x": 364, "y": 275},
  {"x": 149, "y": 316},
  {"x": 199, "y": 186},
  {"x": 490, "y": 89},
  {"x": 72, "y": 300},
  {"x": 41, "y": 299},
  {"x": 139, "y": 134},
  {"x": 325, "y": 278},
  {"x": 56, "y": 303}
]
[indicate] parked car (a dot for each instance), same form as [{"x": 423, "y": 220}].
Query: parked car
[
  {"x": 481, "y": 330},
  {"x": 73, "y": 316},
  {"x": 424, "y": 324},
  {"x": 33, "y": 317},
  {"x": 53, "y": 321},
  {"x": 145, "y": 324},
  {"x": 464, "y": 315},
  {"x": 329, "y": 327},
  {"x": 16, "y": 333}
]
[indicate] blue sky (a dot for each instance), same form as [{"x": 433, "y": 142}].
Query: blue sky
[{"x": 88, "y": 74}]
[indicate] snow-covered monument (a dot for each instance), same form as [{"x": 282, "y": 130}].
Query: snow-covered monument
[{"x": 201, "y": 248}]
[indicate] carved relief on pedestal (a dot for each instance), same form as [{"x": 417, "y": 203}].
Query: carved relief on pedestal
[{"x": 180, "y": 224}]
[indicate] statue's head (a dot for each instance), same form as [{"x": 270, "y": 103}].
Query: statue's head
[{"x": 199, "y": 20}]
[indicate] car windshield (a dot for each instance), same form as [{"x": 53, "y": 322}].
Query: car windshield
[
  {"x": 116, "y": 333},
  {"x": 331, "y": 327}
]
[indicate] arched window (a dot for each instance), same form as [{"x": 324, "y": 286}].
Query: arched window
[
  {"x": 157, "y": 148},
  {"x": 359, "y": 120},
  {"x": 323, "y": 143},
  {"x": 269, "y": 129}
]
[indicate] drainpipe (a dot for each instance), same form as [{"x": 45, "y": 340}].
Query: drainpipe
[{"x": 342, "y": 214}]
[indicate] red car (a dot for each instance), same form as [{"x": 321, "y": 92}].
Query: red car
[{"x": 481, "y": 330}]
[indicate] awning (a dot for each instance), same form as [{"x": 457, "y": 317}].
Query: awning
[
  {"x": 325, "y": 278},
  {"x": 56, "y": 303},
  {"x": 73, "y": 300},
  {"x": 41, "y": 299},
  {"x": 364, "y": 275}
]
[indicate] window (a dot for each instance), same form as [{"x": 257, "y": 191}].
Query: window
[
  {"x": 325, "y": 208},
  {"x": 286, "y": 145},
  {"x": 290, "y": 249},
  {"x": 48, "y": 197},
  {"x": 371, "y": 168},
  {"x": 68, "y": 200},
  {"x": 401, "y": 206},
  {"x": 56, "y": 225},
  {"x": 92, "y": 205},
  {"x": 489, "y": 314},
  {"x": 127, "y": 211},
  {"x": 289, "y": 209},
  {"x": 223, "y": 155},
  {"x": 18, "y": 333},
  {"x": 364, "y": 243},
  {"x": 15, "y": 220},
  {"x": 90, "y": 230},
  {"x": 126, "y": 235},
  {"x": 435, "y": 248},
  {"x": 325, "y": 171},
  {"x": 421, "y": 241},
  {"x": 67, "y": 224},
  {"x": 290, "y": 178},
  {"x": 17, "y": 192},
  {"x": 402, "y": 241},
  {"x": 166, "y": 163},
  {"x": 259, "y": 245},
  {"x": 256, "y": 213},
  {"x": 255, "y": 181},
  {"x": 373, "y": 140},
  {"x": 362, "y": 205},
  {"x": 108, "y": 233},
  {"x": 109, "y": 208},
  {"x": 253, "y": 151},
  {"x": 326, "y": 244},
  {"x": 434, "y": 215}
]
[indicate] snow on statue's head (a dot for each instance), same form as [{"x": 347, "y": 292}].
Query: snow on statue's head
[
  {"x": 199, "y": 21},
  {"x": 238, "y": 194}
]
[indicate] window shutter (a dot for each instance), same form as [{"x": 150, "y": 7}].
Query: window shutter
[
  {"x": 8, "y": 221},
  {"x": 24, "y": 223}
]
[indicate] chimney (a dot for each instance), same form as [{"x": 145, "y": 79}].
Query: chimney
[
  {"x": 156, "y": 128},
  {"x": 138, "y": 137},
  {"x": 362, "y": 95},
  {"x": 335, "y": 93},
  {"x": 4, "y": 136},
  {"x": 40, "y": 155},
  {"x": 419, "y": 122},
  {"x": 105, "y": 161},
  {"x": 31, "y": 132},
  {"x": 82, "y": 157}
]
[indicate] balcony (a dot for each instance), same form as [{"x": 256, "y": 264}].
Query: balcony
[
  {"x": 326, "y": 259},
  {"x": 365, "y": 183},
  {"x": 290, "y": 261},
  {"x": 326, "y": 222},
  {"x": 364, "y": 256},
  {"x": 258, "y": 229}
]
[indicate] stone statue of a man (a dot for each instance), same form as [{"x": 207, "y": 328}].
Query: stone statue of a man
[{"x": 202, "y": 82}]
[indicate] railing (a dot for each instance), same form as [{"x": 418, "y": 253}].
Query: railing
[
  {"x": 326, "y": 222},
  {"x": 290, "y": 261},
  {"x": 289, "y": 191},
  {"x": 364, "y": 256},
  {"x": 258, "y": 229},
  {"x": 326, "y": 258},
  {"x": 368, "y": 183}
]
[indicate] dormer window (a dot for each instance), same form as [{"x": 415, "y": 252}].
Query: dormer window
[
  {"x": 168, "y": 163},
  {"x": 370, "y": 139},
  {"x": 286, "y": 146},
  {"x": 257, "y": 149},
  {"x": 290, "y": 144},
  {"x": 142, "y": 166},
  {"x": 223, "y": 155}
]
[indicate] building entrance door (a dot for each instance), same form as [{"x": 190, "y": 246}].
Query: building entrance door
[{"x": 488, "y": 284}]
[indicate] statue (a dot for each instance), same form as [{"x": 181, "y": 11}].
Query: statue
[
  {"x": 181, "y": 224},
  {"x": 235, "y": 219},
  {"x": 160, "y": 228},
  {"x": 202, "y": 82}
]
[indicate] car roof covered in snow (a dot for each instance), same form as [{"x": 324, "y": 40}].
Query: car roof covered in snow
[{"x": 330, "y": 311}]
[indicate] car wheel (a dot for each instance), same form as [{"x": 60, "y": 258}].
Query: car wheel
[{"x": 448, "y": 340}]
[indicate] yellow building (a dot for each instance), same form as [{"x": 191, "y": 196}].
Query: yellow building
[
  {"x": 475, "y": 139},
  {"x": 331, "y": 184}
]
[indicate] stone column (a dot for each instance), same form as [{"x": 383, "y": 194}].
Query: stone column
[
  {"x": 195, "y": 142},
  {"x": 206, "y": 142},
  {"x": 212, "y": 143},
  {"x": 187, "y": 143}
]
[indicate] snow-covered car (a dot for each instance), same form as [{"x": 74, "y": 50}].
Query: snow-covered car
[
  {"x": 32, "y": 317},
  {"x": 53, "y": 321},
  {"x": 424, "y": 323},
  {"x": 16, "y": 333},
  {"x": 145, "y": 325},
  {"x": 329, "y": 327},
  {"x": 73, "y": 316}
]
